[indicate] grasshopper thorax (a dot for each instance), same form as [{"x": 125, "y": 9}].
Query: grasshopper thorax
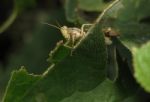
[{"x": 71, "y": 33}]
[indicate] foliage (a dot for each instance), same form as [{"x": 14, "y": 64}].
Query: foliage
[{"x": 95, "y": 71}]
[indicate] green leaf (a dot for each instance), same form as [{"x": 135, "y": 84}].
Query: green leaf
[
  {"x": 70, "y": 73},
  {"x": 76, "y": 71},
  {"x": 105, "y": 92},
  {"x": 59, "y": 53},
  {"x": 19, "y": 85},
  {"x": 142, "y": 66}
]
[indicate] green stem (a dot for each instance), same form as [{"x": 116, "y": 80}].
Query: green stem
[
  {"x": 9, "y": 21},
  {"x": 105, "y": 10}
]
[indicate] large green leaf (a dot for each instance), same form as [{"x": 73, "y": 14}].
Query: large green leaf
[
  {"x": 142, "y": 66},
  {"x": 76, "y": 71},
  {"x": 71, "y": 73}
]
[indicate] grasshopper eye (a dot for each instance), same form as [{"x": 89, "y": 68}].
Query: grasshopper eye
[{"x": 64, "y": 27}]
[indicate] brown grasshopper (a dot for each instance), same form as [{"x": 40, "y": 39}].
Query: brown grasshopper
[{"x": 72, "y": 34}]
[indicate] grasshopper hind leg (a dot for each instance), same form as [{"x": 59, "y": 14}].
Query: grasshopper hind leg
[
  {"x": 83, "y": 26},
  {"x": 83, "y": 33}
]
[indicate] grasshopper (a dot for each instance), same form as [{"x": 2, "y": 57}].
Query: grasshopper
[{"x": 72, "y": 34}]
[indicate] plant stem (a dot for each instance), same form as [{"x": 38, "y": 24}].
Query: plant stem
[
  {"x": 9, "y": 21},
  {"x": 105, "y": 10}
]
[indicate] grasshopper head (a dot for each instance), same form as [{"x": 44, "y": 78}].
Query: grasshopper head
[{"x": 64, "y": 31}]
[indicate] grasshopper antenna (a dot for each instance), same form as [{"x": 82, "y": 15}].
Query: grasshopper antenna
[
  {"x": 51, "y": 25},
  {"x": 58, "y": 24}
]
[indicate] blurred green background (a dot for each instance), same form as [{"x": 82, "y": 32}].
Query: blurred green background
[{"x": 24, "y": 40}]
